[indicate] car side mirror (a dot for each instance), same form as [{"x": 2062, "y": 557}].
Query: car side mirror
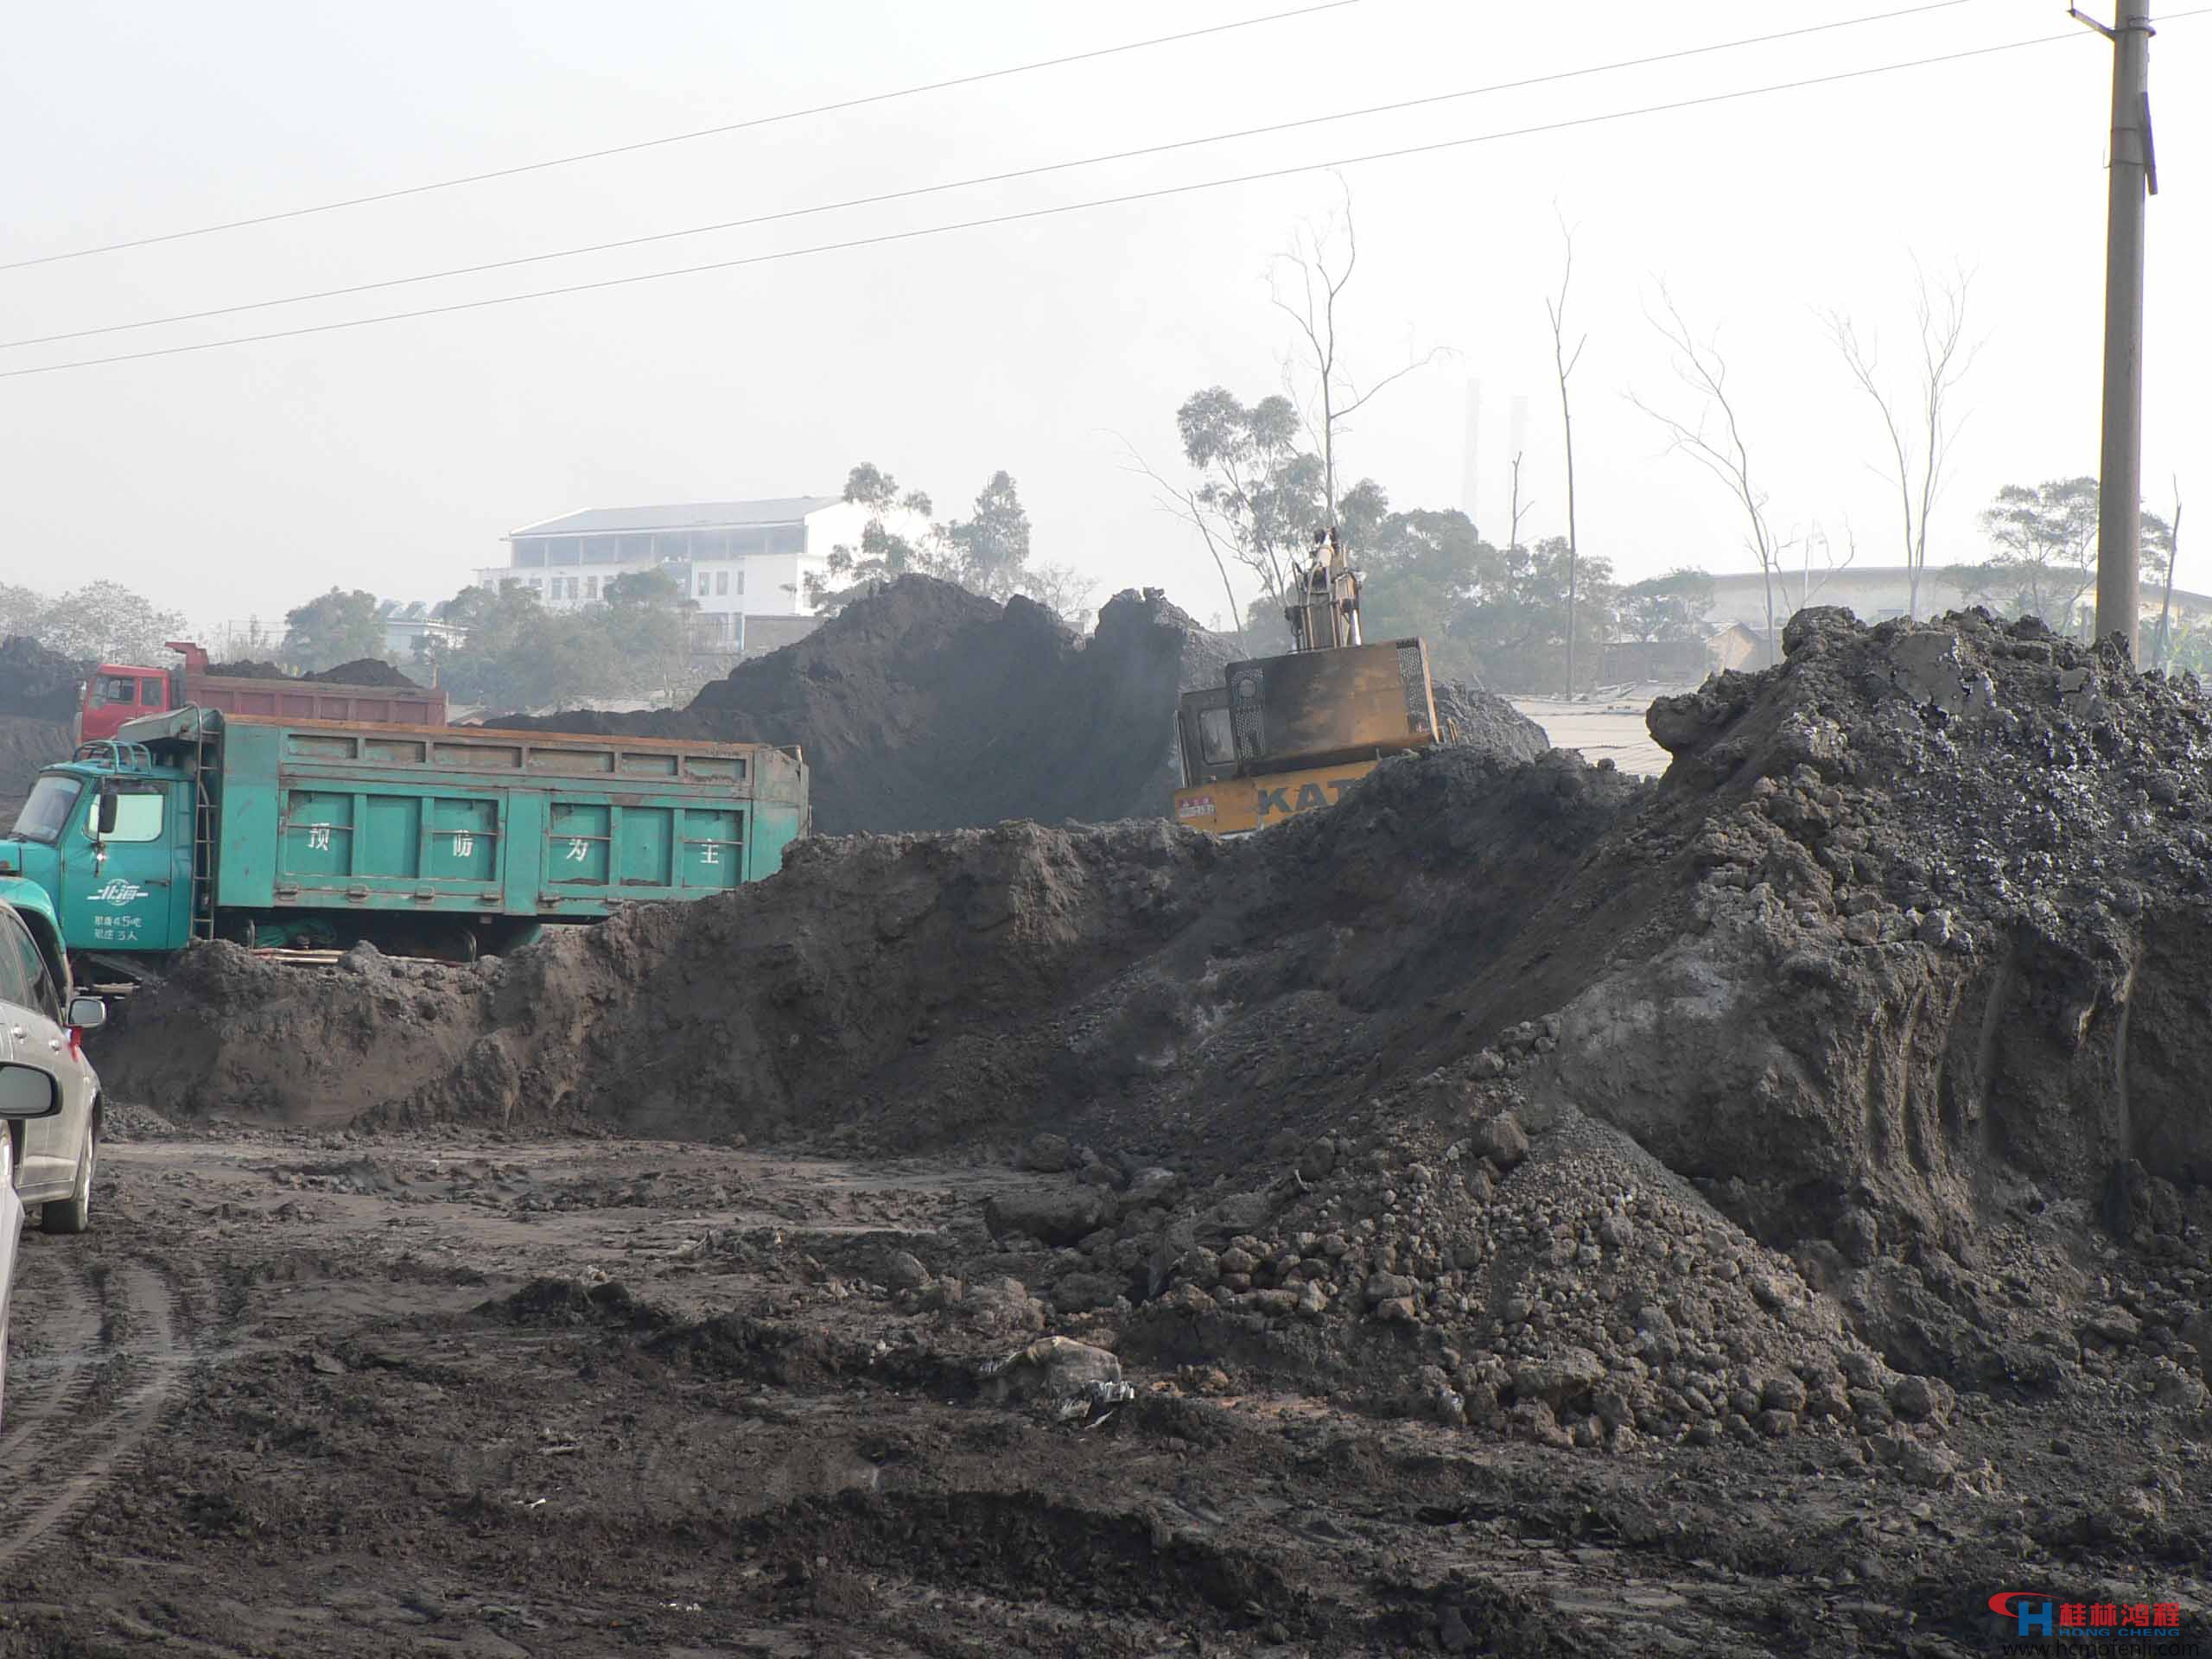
[
  {"x": 109, "y": 800},
  {"x": 28, "y": 1091},
  {"x": 86, "y": 1012}
]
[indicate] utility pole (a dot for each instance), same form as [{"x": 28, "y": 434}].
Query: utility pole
[{"x": 2134, "y": 176}]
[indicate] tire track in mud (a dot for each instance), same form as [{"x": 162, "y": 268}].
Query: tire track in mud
[
  {"x": 47, "y": 1384},
  {"x": 80, "y": 1452}
]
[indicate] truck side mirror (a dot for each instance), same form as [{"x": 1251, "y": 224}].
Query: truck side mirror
[
  {"x": 109, "y": 798},
  {"x": 86, "y": 1012}
]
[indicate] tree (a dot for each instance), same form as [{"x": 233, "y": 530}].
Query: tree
[
  {"x": 1920, "y": 447},
  {"x": 989, "y": 553},
  {"x": 1565, "y": 363},
  {"x": 519, "y": 655},
  {"x": 2045, "y": 560},
  {"x": 1667, "y": 608},
  {"x": 102, "y": 621},
  {"x": 1516, "y": 626},
  {"x": 1330, "y": 396},
  {"x": 1423, "y": 570},
  {"x": 1723, "y": 454},
  {"x": 2173, "y": 558},
  {"x": 334, "y": 628},
  {"x": 646, "y": 620},
  {"x": 20, "y": 611},
  {"x": 1263, "y": 493},
  {"x": 1061, "y": 589},
  {"x": 883, "y": 552}
]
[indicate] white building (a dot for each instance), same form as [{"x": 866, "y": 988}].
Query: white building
[
  {"x": 409, "y": 627},
  {"x": 1882, "y": 592},
  {"x": 735, "y": 559}
]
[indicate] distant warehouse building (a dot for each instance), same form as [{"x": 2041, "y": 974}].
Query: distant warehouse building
[{"x": 743, "y": 563}]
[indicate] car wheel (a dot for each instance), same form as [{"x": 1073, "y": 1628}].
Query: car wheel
[{"x": 74, "y": 1213}]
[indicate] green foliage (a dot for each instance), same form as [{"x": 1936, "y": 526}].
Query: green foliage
[
  {"x": 1496, "y": 617},
  {"x": 883, "y": 553},
  {"x": 1665, "y": 609},
  {"x": 517, "y": 654},
  {"x": 1423, "y": 572},
  {"x": 103, "y": 621},
  {"x": 1516, "y": 627},
  {"x": 2044, "y": 559},
  {"x": 989, "y": 553},
  {"x": 1267, "y": 494},
  {"x": 334, "y": 628}
]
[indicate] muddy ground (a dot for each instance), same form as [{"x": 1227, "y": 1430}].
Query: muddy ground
[
  {"x": 1522, "y": 1210},
  {"x": 342, "y": 1395}
]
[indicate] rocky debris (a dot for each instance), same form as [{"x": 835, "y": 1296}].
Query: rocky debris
[
  {"x": 1502, "y": 1140},
  {"x": 1789, "y": 1077},
  {"x": 1052, "y": 1217},
  {"x": 1068, "y": 1379},
  {"x": 1486, "y": 722},
  {"x": 999, "y": 1306},
  {"x": 1587, "y": 1297},
  {"x": 1046, "y": 1153},
  {"x": 903, "y": 1270}
]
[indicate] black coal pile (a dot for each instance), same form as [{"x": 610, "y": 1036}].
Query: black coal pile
[
  {"x": 36, "y": 683},
  {"x": 1483, "y": 721},
  {"x": 362, "y": 670},
  {"x": 924, "y": 707},
  {"x": 26, "y": 745},
  {"x": 1857, "y": 1064}
]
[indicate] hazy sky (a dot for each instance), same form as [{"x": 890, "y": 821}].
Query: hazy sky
[{"x": 237, "y": 481}]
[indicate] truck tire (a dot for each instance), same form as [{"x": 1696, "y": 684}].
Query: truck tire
[{"x": 74, "y": 1213}]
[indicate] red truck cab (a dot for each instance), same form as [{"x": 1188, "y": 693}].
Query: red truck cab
[{"x": 116, "y": 692}]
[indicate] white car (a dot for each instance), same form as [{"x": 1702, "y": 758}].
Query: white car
[
  {"x": 30, "y": 1094},
  {"x": 41, "y": 1025}
]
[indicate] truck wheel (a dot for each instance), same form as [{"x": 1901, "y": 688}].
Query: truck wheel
[{"x": 74, "y": 1213}]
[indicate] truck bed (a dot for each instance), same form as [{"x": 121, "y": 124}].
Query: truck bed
[
  {"x": 307, "y": 700},
  {"x": 426, "y": 819}
]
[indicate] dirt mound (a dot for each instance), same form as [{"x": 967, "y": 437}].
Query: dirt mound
[
  {"x": 1908, "y": 945},
  {"x": 25, "y": 745},
  {"x": 1483, "y": 720},
  {"x": 923, "y": 707},
  {"x": 36, "y": 683},
  {"x": 931, "y": 986},
  {"x": 362, "y": 670}
]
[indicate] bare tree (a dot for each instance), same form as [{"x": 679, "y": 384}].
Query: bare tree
[
  {"x": 1185, "y": 503},
  {"x": 1515, "y": 508},
  {"x": 1556, "y": 310},
  {"x": 1920, "y": 454},
  {"x": 2173, "y": 558},
  {"x": 1310, "y": 300},
  {"x": 1723, "y": 454}
]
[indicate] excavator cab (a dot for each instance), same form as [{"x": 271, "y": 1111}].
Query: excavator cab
[{"x": 1283, "y": 736}]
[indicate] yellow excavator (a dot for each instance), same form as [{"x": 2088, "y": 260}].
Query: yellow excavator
[{"x": 1286, "y": 736}]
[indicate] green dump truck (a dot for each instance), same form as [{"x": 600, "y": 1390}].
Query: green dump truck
[{"x": 424, "y": 840}]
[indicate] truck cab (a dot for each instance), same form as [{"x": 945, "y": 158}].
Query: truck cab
[
  {"x": 107, "y": 836},
  {"x": 116, "y": 692}
]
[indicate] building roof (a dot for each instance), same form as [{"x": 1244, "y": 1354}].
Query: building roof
[
  {"x": 693, "y": 515},
  {"x": 1788, "y": 580}
]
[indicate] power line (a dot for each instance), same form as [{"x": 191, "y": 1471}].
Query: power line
[
  {"x": 679, "y": 137},
  {"x": 1071, "y": 208},
  {"x": 990, "y": 178}
]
